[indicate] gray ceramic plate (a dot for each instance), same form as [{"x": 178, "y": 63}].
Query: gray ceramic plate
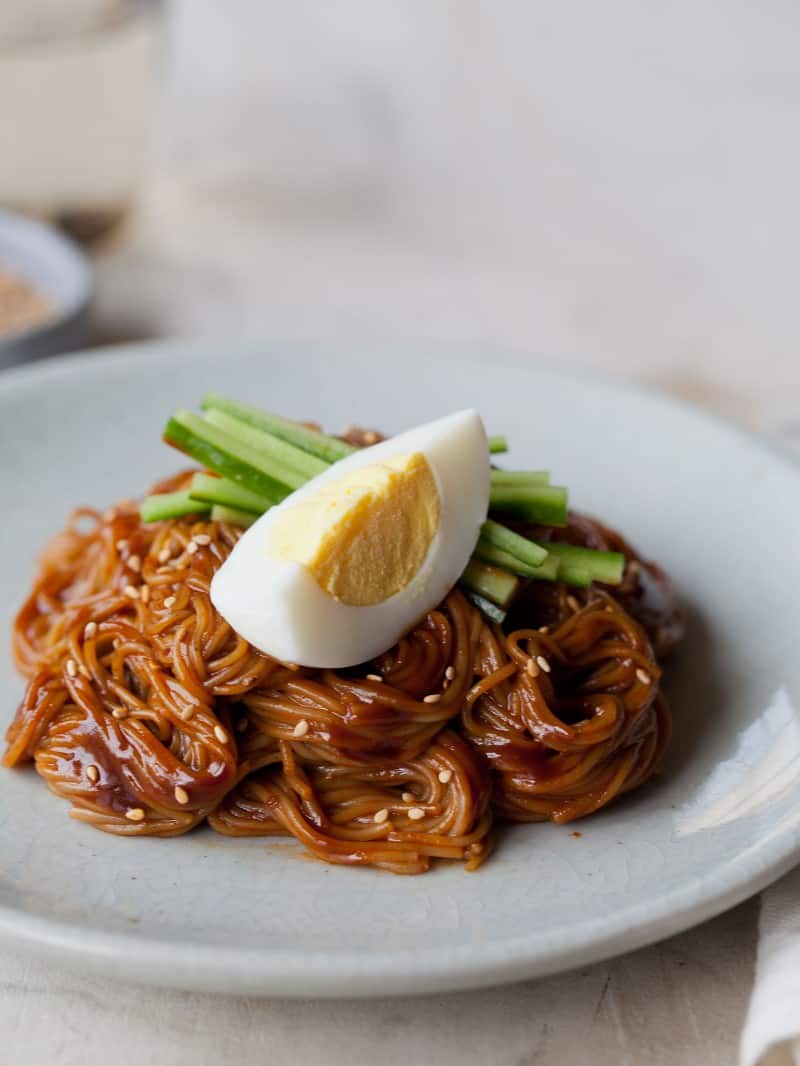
[{"x": 719, "y": 510}]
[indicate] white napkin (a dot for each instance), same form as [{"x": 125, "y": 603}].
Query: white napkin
[{"x": 771, "y": 1035}]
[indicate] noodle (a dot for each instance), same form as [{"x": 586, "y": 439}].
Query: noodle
[{"x": 149, "y": 714}]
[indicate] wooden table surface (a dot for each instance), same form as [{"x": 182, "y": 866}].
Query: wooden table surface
[{"x": 609, "y": 185}]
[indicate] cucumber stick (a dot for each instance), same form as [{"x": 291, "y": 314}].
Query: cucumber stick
[
  {"x": 489, "y": 553},
  {"x": 234, "y": 517},
  {"x": 544, "y": 504},
  {"x": 162, "y": 505},
  {"x": 221, "y": 490},
  {"x": 508, "y": 541},
  {"x": 490, "y": 582},
  {"x": 520, "y": 477},
  {"x": 226, "y": 455},
  {"x": 606, "y": 567},
  {"x": 329, "y": 449},
  {"x": 284, "y": 455},
  {"x": 491, "y": 610}
]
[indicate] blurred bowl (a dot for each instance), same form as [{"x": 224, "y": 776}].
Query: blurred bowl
[{"x": 57, "y": 270}]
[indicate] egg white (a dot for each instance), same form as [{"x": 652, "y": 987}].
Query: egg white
[{"x": 277, "y": 605}]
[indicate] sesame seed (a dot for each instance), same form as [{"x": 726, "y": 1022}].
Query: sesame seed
[
  {"x": 121, "y": 545},
  {"x": 573, "y": 604},
  {"x": 131, "y": 591},
  {"x": 643, "y": 676},
  {"x": 543, "y": 663},
  {"x": 433, "y": 698},
  {"x": 169, "y": 602},
  {"x": 82, "y": 670},
  {"x": 145, "y": 594},
  {"x": 72, "y": 668},
  {"x": 416, "y": 813},
  {"x": 544, "y": 629},
  {"x": 370, "y": 437},
  {"x": 202, "y": 539},
  {"x": 241, "y": 725},
  {"x": 445, "y": 776},
  {"x": 532, "y": 668},
  {"x": 374, "y": 677},
  {"x": 164, "y": 555},
  {"x": 450, "y": 673},
  {"x": 220, "y": 734},
  {"x": 135, "y": 814},
  {"x": 408, "y": 797},
  {"x": 181, "y": 795},
  {"x": 93, "y": 773},
  {"x": 300, "y": 729},
  {"x": 191, "y": 547},
  {"x": 380, "y": 816},
  {"x": 135, "y": 563},
  {"x": 90, "y": 630},
  {"x": 119, "y": 713}
]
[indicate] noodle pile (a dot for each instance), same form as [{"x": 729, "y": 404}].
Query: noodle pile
[{"x": 149, "y": 714}]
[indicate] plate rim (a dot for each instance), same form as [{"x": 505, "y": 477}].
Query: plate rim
[{"x": 332, "y": 972}]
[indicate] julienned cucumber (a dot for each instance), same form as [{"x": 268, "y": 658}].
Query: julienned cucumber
[
  {"x": 329, "y": 449},
  {"x": 163, "y": 505},
  {"x": 498, "y": 444},
  {"x": 520, "y": 477},
  {"x": 227, "y": 493},
  {"x": 219, "y": 451},
  {"x": 606, "y": 567},
  {"x": 234, "y": 517},
  {"x": 489, "y": 581},
  {"x": 279, "y": 451},
  {"x": 545, "y": 504},
  {"x": 490, "y": 553},
  {"x": 491, "y": 610},
  {"x": 507, "y": 540}
]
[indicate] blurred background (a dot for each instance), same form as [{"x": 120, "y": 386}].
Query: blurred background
[{"x": 612, "y": 185}]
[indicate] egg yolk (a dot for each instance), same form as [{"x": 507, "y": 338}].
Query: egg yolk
[{"x": 365, "y": 536}]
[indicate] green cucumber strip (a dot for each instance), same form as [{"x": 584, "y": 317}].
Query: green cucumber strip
[
  {"x": 606, "y": 567},
  {"x": 492, "y": 612},
  {"x": 311, "y": 441},
  {"x": 497, "y": 445},
  {"x": 545, "y": 504},
  {"x": 225, "y": 455},
  {"x": 508, "y": 541},
  {"x": 520, "y": 477},
  {"x": 494, "y": 584},
  {"x": 573, "y": 575},
  {"x": 489, "y": 553},
  {"x": 286, "y": 455},
  {"x": 220, "y": 490},
  {"x": 233, "y": 516},
  {"x": 163, "y": 505}
]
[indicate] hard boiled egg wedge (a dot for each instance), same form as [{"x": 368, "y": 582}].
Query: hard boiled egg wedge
[{"x": 342, "y": 568}]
